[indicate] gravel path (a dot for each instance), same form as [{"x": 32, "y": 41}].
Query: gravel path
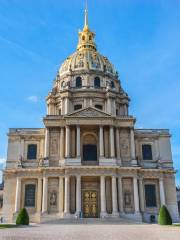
[{"x": 92, "y": 231}]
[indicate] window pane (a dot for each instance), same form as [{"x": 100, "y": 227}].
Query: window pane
[
  {"x": 97, "y": 82},
  {"x": 32, "y": 151},
  {"x": 30, "y": 195},
  {"x": 147, "y": 152},
  {"x": 98, "y": 106},
  {"x": 77, "y": 107},
  {"x": 78, "y": 82},
  {"x": 150, "y": 195}
]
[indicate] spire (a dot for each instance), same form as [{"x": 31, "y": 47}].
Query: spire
[
  {"x": 86, "y": 36},
  {"x": 86, "y": 18}
]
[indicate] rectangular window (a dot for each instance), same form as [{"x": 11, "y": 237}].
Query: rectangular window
[
  {"x": 150, "y": 195},
  {"x": 30, "y": 195},
  {"x": 32, "y": 151},
  {"x": 147, "y": 151}
]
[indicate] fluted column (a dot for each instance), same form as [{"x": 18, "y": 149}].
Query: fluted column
[
  {"x": 133, "y": 155},
  {"x": 67, "y": 142},
  {"x": 78, "y": 194},
  {"x": 101, "y": 141},
  {"x": 78, "y": 142},
  {"x": 112, "y": 153},
  {"x": 61, "y": 195},
  {"x": 18, "y": 195},
  {"x": 141, "y": 194},
  {"x": 46, "y": 147},
  {"x": 66, "y": 195},
  {"x": 118, "y": 146},
  {"x": 136, "y": 195},
  {"x": 39, "y": 195},
  {"x": 120, "y": 194},
  {"x": 103, "y": 196},
  {"x": 62, "y": 143},
  {"x": 114, "y": 196},
  {"x": 161, "y": 191},
  {"x": 45, "y": 191}
]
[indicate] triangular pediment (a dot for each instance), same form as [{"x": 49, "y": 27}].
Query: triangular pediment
[{"x": 89, "y": 112}]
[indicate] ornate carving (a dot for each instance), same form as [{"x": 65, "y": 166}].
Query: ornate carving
[
  {"x": 89, "y": 112},
  {"x": 53, "y": 198},
  {"x": 124, "y": 143}
]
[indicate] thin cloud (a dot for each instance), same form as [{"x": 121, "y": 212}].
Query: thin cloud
[{"x": 33, "y": 99}]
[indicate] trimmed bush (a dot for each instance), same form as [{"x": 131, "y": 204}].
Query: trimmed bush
[
  {"x": 164, "y": 217},
  {"x": 22, "y": 217}
]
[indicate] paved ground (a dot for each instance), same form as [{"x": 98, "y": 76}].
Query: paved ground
[{"x": 96, "y": 231}]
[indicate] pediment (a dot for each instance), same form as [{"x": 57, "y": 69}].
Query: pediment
[{"x": 89, "y": 112}]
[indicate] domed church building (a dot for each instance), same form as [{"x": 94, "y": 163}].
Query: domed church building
[{"x": 88, "y": 161}]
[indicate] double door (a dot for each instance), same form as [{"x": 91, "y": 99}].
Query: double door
[{"x": 90, "y": 204}]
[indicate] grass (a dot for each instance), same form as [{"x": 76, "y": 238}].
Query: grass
[{"x": 7, "y": 226}]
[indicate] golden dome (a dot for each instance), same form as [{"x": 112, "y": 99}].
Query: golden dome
[{"x": 86, "y": 56}]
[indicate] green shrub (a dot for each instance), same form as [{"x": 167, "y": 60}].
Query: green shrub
[
  {"x": 22, "y": 217},
  {"x": 164, "y": 217}
]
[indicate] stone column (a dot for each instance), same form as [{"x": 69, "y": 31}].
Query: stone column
[
  {"x": 112, "y": 153},
  {"x": 161, "y": 191},
  {"x": 101, "y": 141},
  {"x": 18, "y": 195},
  {"x": 67, "y": 153},
  {"x": 103, "y": 197},
  {"x": 136, "y": 196},
  {"x": 61, "y": 195},
  {"x": 114, "y": 196},
  {"x": 62, "y": 143},
  {"x": 66, "y": 103},
  {"x": 78, "y": 195},
  {"x": 120, "y": 192},
  {"x": 46, "y": 147},
  {"x": 45, "y": 192},
  {"x": 66, "y": 195},
  {"x": 141, "y": 194},
  {"x": 22, "y": 148},
  {"x": 78, "y": 142},
  {"x": 39, "y": 195},
  {"x": 118, "y": 146},
  {"x": 133, "y": 156}
]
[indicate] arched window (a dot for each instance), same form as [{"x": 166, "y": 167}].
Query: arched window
[
  {"x": 78, "y": 82},
  {"x": 90, "y": 38},
  {"x": 83, "y": 38},
  {"x": 98, "y": 106},
  {"x": 77, "y": 107},
  {"x": 97, "y": 83},
  {"x": 112, "y": 84}
]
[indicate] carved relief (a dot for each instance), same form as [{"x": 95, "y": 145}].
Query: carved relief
[
  {"x": 54, "y": 137},
  {"x": 90, "y": 112},
  {"x": 52, "y": 195},
  {"x": 125, "y": 148}
]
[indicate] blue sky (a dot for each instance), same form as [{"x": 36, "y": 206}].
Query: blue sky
[{"x": 141, "y": 38}]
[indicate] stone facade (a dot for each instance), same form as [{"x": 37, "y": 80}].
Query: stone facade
[{"x": 88, "y": 160}]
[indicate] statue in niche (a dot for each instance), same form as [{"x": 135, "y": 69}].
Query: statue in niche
[
  {"x": 124, "y": 146},
  {"x": 127, "y": 199},
  {"x": 53, "y": 198}
]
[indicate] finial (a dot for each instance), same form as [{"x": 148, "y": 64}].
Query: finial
[{"x": 86, "y": 17}]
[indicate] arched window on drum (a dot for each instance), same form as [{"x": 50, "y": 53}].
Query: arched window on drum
[
  {"x": 97, "y": 82},
  {"x": 78, "y": 82}
]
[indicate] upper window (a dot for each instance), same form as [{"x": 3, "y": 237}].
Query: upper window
[
  {"x": 112, "y": 84},
  {"x": 147, "y": 151},
  {"x": 98, "y": 106},
  {"x": 97, "y": 82},
  {"x": 78, "y": 82},
  {"x": 30, "y": 195},
  {"x": 32, "y": 151},
  {"x": 77, "y": 107},
  {"x": 150, "y": 195}
]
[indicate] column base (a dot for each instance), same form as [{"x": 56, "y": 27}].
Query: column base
[
  {"x": 103, "y": 214},
  {"x": 67, "y": 215},
  {"x": 134, "y": 162},
  {"x": 115, "y": 214}
]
